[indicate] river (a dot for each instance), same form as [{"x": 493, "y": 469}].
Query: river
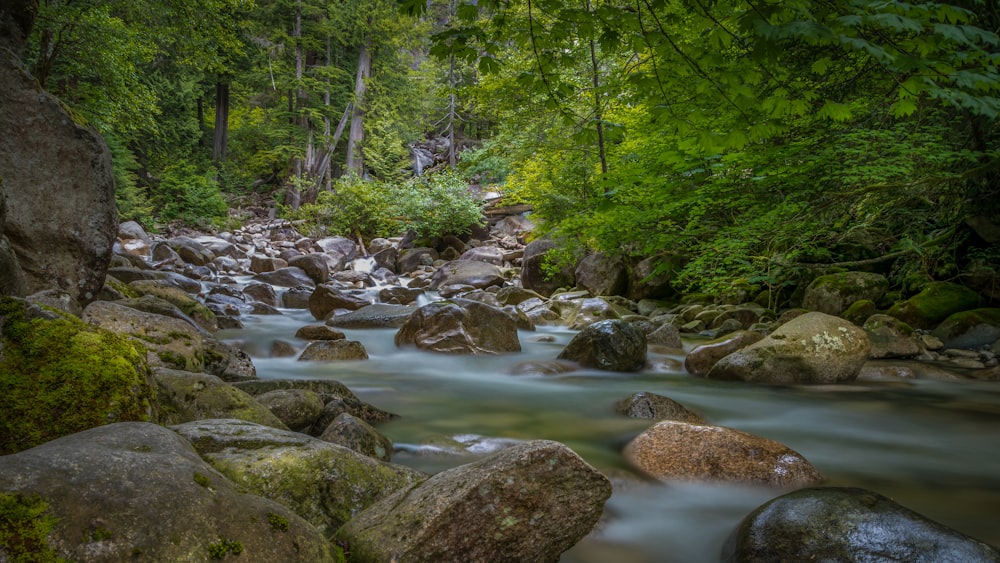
[{"x": 933, "y": 446}]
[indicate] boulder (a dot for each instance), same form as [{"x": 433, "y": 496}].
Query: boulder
[
  {"x": 473, "y": 273},
  {"x": 336, "y": 397},
  {"x": 581, "y": 313},
  {"x": 678, "y": 451},
  {"x": 138, "y": 491},
  {"x": 227, "y": 362},
  {"x": 296, "y": 297},
  {"x": 970, "y": 329},
  {"x": 834, "y": 293},
  {"x": 169, "y": 342},
  {"x": 191, "y": 251},
  {"x": 513, "y": 295},
  {"x": 376, "y": 315},
  {"x": 489, "y": 254},
  {"x": 262, "y": 263},
  {"x": 811, "y": 348},
  {"x": 935, "y": 303},
  {"x": 411, "y": 259},
  {"x": 327, "y": 298},
  {"x": 286, "y": 277},
  {"x": 702, "y": 357},
  {"x": 612, "y": 345},
  {"x": 342, "y": 246},
  {"x": 131, "y": 274},
  {"x": 60, "y": 376},
  {"x": 460, "y": 327},
  {"x": 186, "y": 396},
  {"x": 666, "y": 335},
  {"x": 529, "y": 502},
  {"x": 296, "y": 408},
  {"x": 319, "y": 332},
  {"x": 61, "y": 222},
  {"x": 399, "y": 295},
  {"x": 201, "y": 315},
  {"x": 316, "y": 266},
  {"x": 602, "y": 275},
  {"x": 846, "y": 524},
  {"x": 261, "y": 293},
  {"x": 333, "y": 350},
  {"x": 651, "y": 277},
  {"x": 533, "y": 273},
  {"x": 352, "y": 432},
  {"x": 324, "y": 483},
  {"x": 657, "y": 407},
  {"x": 890, "y": 338}
]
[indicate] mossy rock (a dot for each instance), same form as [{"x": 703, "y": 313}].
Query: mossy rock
[
  {"x": 186, "y": 396},
  {"x": 859, "y": 311},
  {"x": 970, "y": 329},
  {"x": 834, "y": 293},
  {"x": 935, "y": 303},
  {"x": 60, "y": 375},
  {"x": 188, "y": 305}
]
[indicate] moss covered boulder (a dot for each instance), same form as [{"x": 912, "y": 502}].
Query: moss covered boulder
[
  {"x": 59, "y": 375},
  {"x": 170, "y": 342},
  {"x": 970, "y": 329},
  {"x": 138, "y": 492},
  {"x": 324, "y": 483},
  {"x": 529, "y": 502},
  {"x": 846, "y": 524},
  {"x": 191, "y": 307},
  {"x": 186, "y": 396},
  {"x": 937, "y": 302},
  {"x": 834, "y": 293}
]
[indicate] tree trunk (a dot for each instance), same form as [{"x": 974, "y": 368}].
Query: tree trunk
[
  {"x": 451, "y": 113},
  {"x": 221, "y": 135},
  {"x": 355, "y": 156}
]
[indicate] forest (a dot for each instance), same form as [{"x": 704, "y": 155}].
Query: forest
[{"x": 743, "y": 141}]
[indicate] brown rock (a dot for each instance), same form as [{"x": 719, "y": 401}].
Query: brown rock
[{"x": 701, "y": 358}]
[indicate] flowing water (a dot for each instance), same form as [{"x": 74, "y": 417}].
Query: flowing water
[{"x": 933, "y": 446}]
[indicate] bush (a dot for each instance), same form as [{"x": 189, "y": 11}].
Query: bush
[{"x": 190, "y": 195}]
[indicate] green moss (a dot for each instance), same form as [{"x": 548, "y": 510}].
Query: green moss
[
  {"x": 202, "y": 480},
  {"x": 100, "y": 534},
  {"x": 25, "y": 525},
  {"x": 278, "y": 522},
  {"x": 934, "y": 304},
  {"x": 123, "y": 288},
  {"x": 223, "y": 547},
  {"x": 58, "y": 377},
  {"x": 172, "y": 359}
]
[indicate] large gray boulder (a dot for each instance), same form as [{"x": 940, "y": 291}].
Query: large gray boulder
[
  {"x": 700, "y": 360},
  {"x": 679, "y": 451},
  {"x": 611, "y": 345},
  {"x": 170, "y": 342},
  {"x": 602, "y": 275},
  {"x": 811, "y": 348},
  {"x": 533, "y": 273},
  {"x": 460, "y": 326},
  {"x": 327, "y": 298},
  {"x": 376, "y": 315},
  {"x": 138, "y": 491},
  {"x": 337, "y": 398},
  {"x": 186, "y": 396},
  {"x": 834, "y": 293},
  {"x": 847, "y": 524},
  {"x": 529, "y": 502},
  {"x": 472, "y": 273},
  {"x": 324, "y": 483},
  {"x": 61, "y": 221}
]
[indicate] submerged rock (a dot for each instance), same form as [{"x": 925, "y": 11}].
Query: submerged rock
[
  {"x": 671, "y": 450},
  {"x": 700, "y": 360},
  {"x": 138, "y": 491},
  {"x": 529, "y": 502},
  {"x": 657, "y": 407},
  {"x": 846, "y": 524},
  {"x": 611, "y": 345}
]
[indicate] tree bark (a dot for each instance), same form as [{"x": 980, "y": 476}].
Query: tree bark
[
  {"x": 221, "y": 135},
  {"x": 355, "y": 156}
]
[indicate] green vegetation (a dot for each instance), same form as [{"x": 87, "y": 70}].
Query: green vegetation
[
  {"x": 278, "y": 522},
  {"x": 25, "y": 525},
  {"x": 222, "y": 548},
  {"x": 202, "y": 479},
  {"x": 63, "y": 376}
]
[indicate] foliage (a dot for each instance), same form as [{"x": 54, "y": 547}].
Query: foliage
[
  {"x": 189, "y": 195},
  {"x": 25, "y": 524},
  {"x": 131, "y": 200},
  {"x": 64, "y": 376},
  {"x": 432, "y": 205}
]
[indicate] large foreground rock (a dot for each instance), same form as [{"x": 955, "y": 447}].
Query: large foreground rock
[
  {"x": 811, "y": 348},
  {"x": 460, "y": 326},
  {"x": 678, "y": 451},
  {"x": 611, "y": 345},
  {"x": 61, "y": 220},
  {"x": 170, "y": 342},
  {"x": 324, "y": 483},
  {"x": 529, "y": 502},
  {"x": 847, "y": 524},
  {"x": 136, "y": 491}
]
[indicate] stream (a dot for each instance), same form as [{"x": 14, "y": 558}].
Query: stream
[{"x": 932, "y": 446}]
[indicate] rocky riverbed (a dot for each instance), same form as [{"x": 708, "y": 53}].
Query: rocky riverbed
[{"x": 265, "y": 457}]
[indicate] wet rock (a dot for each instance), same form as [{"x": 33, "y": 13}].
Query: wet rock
[
  {"x": 543, "y": 367},
  {"x": 297, "y": 408},
  {"x": 339, "y": 245},
  {"x": 612, "y": 345},
  {"x": 890, "y": 338},
  {"x": 846, "y": 524},
  {"x": 262, "y": 263},
  {"x": 489, "y": 254},
  {"x": 471, "y": 273},
  {"x": 353, "y": 433},
  {"x": 581, "y": 313},
  {"x": 296, "y": 297},
  {"x": 261, "y": 293},
  {"x": 331, "y": 392},
  {"x": 657, "y": 407},
  {"x": 412, "y": 259},
  {"x": 513, "y": 295},
  {"x": 533, "y": 274},
  {"x": 665, "y": 335},
  {"x": 227, "y": 362},
  {"x": 319, "y": 332},
  {"x": 282, "y": 349},
  {"x": 529, "y": 502},
  {"x": 186, "y": 396},
  {"x": 170, "y": 342},
  {"x": 399, "y": 295},
  {"x": 324, "y": 483},
  {"x": 130, "y": 274},
  {"x": 316, "y": 266},
  {"x": 671, "y": 450},
  {"x": 970, "y": 329},
  {"x": 193, "y": 309},
  {"x": 191, "y": 251},
  {"x": 460, "y": 327},
  {"x": 333, "y": 350},
  {"x": 935, "y": 303},
  {"x": 834, "y": 293},
  {"x": 326, "y": 299},
  {"x": 602, "y": 275},
  {"x": 136, "y": 490},
  {"x": 812, "y": 348},
  {"x": 286, "y": 277},
  {"x": 376, "y": 315}
]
